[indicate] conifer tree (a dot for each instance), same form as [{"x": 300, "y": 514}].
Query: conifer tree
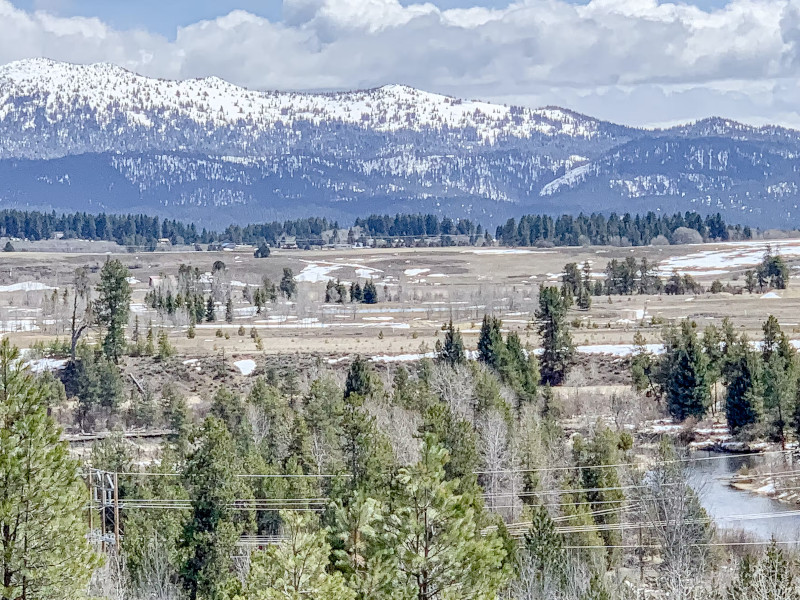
[
  {"x": 360, "y": 379},
  {"x": 44, "y": 553},
  {"x": 370, "y": 292},
  {"x": 557, "y": 348},
  {"x": 211, "y": 533},
  {"x": 287, "y": 286},
  {"x": 112, "y": 307},
  {"x": 743, "y": 404},
  {"x": 491, "y": 347},
  {"x": 297, "y": 568},
  {"x": 435, "y": 535},
  {"x": 683, "y": 373},
  {"x": 211, "y": 314},
  {"x": 229, "y": 310},
  {"x": 452, "y": 351}
]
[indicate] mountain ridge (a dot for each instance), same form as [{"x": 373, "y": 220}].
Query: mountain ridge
[{"x": 101, "y": 135}]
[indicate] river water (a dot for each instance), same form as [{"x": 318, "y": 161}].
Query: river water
[{"x": 723, "y": 503}]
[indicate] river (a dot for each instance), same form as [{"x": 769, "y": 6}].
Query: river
[{"x": 709, "y": 478}]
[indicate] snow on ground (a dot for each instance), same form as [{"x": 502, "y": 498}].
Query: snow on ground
[
  {"x": 46, "y": 364},
  {"x": 318, "y": 272},
  {"x": 506, "y": 251},
  {"x": 770, "y": 296},
  {"x": 11, "y": 325},
  {"x": 246, "y": 366},
  {"x": 728, "y": 257},
  {"x": 26, "y": 286},
  {"x": 415, "y": 272}
]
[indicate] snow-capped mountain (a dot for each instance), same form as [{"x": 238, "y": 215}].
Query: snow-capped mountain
[{"x": 99, "y": 137}]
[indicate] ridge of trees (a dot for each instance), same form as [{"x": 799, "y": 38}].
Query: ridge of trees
[{"x": 142, "y": 231}]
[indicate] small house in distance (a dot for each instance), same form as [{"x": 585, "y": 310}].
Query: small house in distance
[{"x": 287, "y": 242}]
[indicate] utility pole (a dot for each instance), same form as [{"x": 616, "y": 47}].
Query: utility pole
[
  {"x": 641, "y": 555},
  {"x": 116, "y": 512},
  {"x": 91, "y": 500}
]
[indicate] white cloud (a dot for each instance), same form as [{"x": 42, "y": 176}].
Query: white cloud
[{"x": 637, "y": 61}]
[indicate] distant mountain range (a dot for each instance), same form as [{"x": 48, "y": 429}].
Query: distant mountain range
[{"x": 100, "y": 138}]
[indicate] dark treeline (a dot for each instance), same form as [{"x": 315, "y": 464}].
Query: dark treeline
[
  {"x": 416, "y": 226},
  {"x": 143, "y": 231},
  {"x": 616, "y": 230}
]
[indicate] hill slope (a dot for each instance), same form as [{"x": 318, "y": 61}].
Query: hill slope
[{"x": 98, "y": 137}]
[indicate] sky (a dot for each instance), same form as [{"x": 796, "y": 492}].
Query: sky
[{"x": 637, "y": 62}]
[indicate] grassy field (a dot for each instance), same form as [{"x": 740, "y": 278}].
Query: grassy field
[{"x": 419, "y": 289}]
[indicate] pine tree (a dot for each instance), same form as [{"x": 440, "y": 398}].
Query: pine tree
[
  {"x": 360, "y": 379},
  {"x": 435, "y": 535},
  {"x": 491, "y": 347},
  {"x": 229, "y": 310},
  {"x": 211, "y": 533},
  {"x": 557, "y": 349},
  {"x": 287, "y": 285},
  {"x": 297, "y": 568},
  {"x": 112, "y": 307},
  {"x": 165, "y": 349},
  {"x": 683, "y": 373},
  {"x": 211, "y": 314},
  {"x": 452, "y": 351},
  {"x": 44, "y": 553},
  {"x": 370, "y": 292},
  {"x": 330, "y": 292},
  {"x": 743, "y": 404}
]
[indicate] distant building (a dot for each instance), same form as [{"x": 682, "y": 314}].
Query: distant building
[
  {"x": 164, "y": 243},
  {"x": 287, "y": 242}
]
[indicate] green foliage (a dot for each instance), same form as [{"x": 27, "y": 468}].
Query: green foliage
[
  {"x": 743, "y": 404},
  {"x": 370, "y": 292},
  {"x": 229, "y": 310},
  {"x": 435, "y": 536},
  {"x": 773, "y": 271},
  {"x": 452, "y": 351},
  {"x": 262, "y": 251},
  {"x": 214, "y": 527},
  {"x": 557, "y": 349},
  {"x": 772, "y": 575},
  {"x": 43, "y": 545},
  {"x": 165, "y": 349},
  {"x": 683, "y": 373},
  {"x": 360, "y": 379},
  {"x": 210, "y": 314},
  {"x": 296, "y": 569},
  {"x": 287, "y": 286},
  {"x": 490, "y": 343},
  {"x": 8, "y": 247},
  {"x": 603, "y": 483},
  {"x": 112, "y": 307},
  {"x": 95, "y": 381}
]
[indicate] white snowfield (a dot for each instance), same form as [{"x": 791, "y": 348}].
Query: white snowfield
[
  {"x": 246, "y": 367},
  {"x": 106, "y": 93},
  {"x": 728, "y": 257},
  {"x": 319, "y": 272},
  {"x": 26, "y": 286}
]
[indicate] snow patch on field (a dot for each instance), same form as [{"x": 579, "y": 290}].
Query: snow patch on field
[
  {"x": 246, "y": 367},
  {"x": 318, "y": 272},
  {"x": 26, "y": 286},
  {"x": 770, "y": 296},
  {"x": 415, "y": 272},
  {"x": 46, "y": 364},
  {"x": 728, "y": 257}
]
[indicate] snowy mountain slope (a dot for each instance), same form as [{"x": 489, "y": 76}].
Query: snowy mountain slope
[
  {"x": 98, "y": 137},
  {"x": 54, "y": 98}
]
